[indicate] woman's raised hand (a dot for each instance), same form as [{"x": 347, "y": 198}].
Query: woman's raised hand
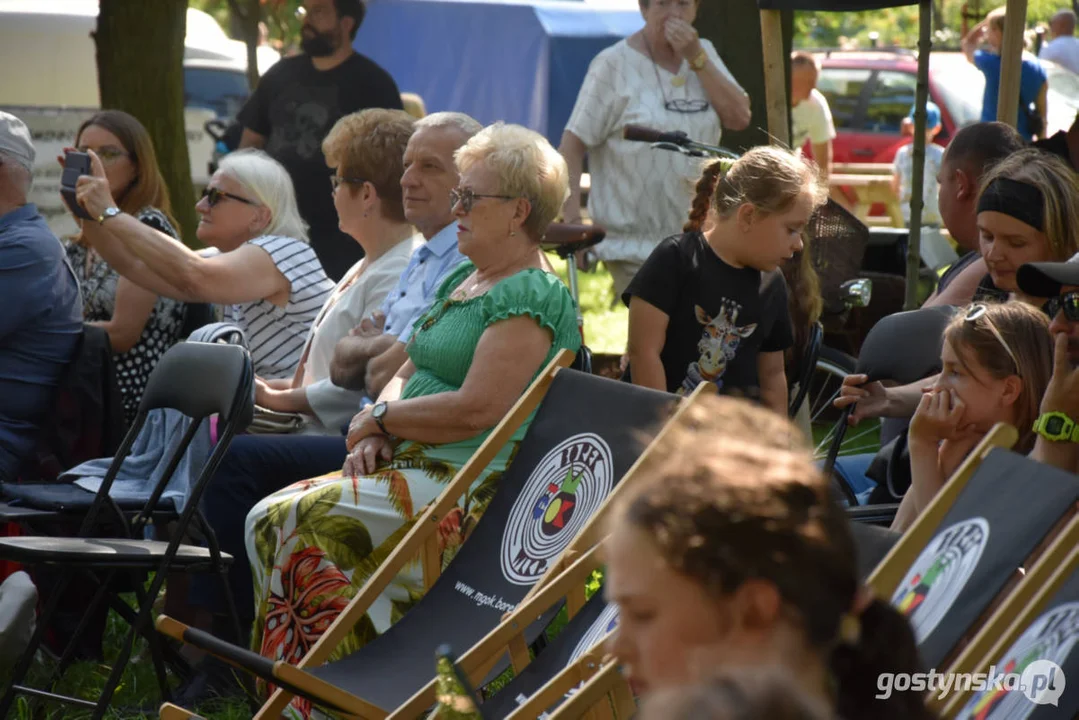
[
  {"x": 92, "y": 191},
  {"x": 365, "y": 456},
  {"x": 683, "y": 38}
]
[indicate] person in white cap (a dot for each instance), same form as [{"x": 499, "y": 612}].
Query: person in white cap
[{"x": 42, "y": 319}]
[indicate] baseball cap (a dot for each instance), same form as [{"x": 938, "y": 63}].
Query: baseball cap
[
  {"x": 15, "y": 140},
  {"x": 1045, "y": 279},
  {"x": 932, "y": 114}
]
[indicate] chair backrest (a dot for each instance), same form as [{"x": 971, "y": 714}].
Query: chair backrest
[
  {"x": 805, "y": 367},
  {"x": 837, "y": 242},
  {"x": 589, "y": 626},
  {"x": 197, "y": 315},
  {"x": 197, "y": 379},
  {"x": 586, "y": 434},
  {"x": 905, "y": 347},
  {"x": 87, "y": 417},
  {"x": 975, "y": 549}
]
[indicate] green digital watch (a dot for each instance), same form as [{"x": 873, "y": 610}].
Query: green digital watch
[{"x": 1057, "y": 427}]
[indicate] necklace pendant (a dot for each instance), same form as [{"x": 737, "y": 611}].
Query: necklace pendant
[{"x": 678, "y": 81}]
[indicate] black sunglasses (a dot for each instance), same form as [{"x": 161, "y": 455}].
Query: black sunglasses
[
  {"x": 214, "y": 196},
  {"x": 1068, "y": 302},
  {"x": 686, "y": 106}
]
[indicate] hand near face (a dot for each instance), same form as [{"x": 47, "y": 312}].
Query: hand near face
[
  {"x": 92, "y": 191},
  {"x": 939, "y": 417},
  {"x": 683, "y": 38},
  {"x": 1062, "y": 393}
]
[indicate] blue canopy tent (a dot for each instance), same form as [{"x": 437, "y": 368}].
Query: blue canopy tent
[{"x": 521, "y": 61}]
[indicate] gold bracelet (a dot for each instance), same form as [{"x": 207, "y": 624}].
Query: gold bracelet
[{"x": 697, "y": 64}]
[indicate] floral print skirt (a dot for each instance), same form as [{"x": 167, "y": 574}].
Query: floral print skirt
[{"x": 312, "y": 546}]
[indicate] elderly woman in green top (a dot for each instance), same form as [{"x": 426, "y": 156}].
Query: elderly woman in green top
[{"x": 495, "y": 323}]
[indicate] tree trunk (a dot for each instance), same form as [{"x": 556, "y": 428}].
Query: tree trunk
[
  {"x": 734, "y": 27},
  {"x": 140, "y": 50},
  {"x": 245, "y": 22}
]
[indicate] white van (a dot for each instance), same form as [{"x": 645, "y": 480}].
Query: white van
[{"x": 50, "y": 82}]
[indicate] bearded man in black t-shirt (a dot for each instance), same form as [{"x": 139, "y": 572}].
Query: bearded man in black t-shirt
[{"x": 296, "y": 103}]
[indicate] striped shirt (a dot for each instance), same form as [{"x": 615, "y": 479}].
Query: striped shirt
[{"x": 276, "y": 335}]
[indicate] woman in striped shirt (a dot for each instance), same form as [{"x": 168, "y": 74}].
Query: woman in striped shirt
[{"x": 259, "y": 264}]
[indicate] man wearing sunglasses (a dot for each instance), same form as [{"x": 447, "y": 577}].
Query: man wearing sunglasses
[
  {"x": 1058, "y": 431},
  {"x": 299, "y": 100}
]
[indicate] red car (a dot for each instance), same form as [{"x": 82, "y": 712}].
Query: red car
[{"x": 870, "y": 92}]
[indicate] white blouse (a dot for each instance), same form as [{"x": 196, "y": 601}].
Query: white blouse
[
  {"x": 359, "y": 293},
  {"x": 638, "y": 194}
]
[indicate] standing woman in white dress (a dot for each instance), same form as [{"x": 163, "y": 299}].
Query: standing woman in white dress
[{"x": 663, "y": 76}]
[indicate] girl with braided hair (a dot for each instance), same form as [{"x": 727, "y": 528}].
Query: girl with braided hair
[
  {"x": 711, "y": 304},
  {"x": 728, "y": 553}
]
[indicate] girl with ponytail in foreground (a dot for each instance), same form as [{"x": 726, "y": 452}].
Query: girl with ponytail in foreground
[
  {"x": 710, "y": 305},
  {"x": 729, "y": 552}
]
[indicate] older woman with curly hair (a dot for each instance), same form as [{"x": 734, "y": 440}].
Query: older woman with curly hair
[{"x": 496, "y": 322}]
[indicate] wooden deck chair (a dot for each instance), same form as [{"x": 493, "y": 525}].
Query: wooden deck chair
[
  {"x": 563, "y": 580},
  {"x": 965, "y": 549},
  {"x": 1038, "y": 621},
  {"x": 586, "y": 433}
]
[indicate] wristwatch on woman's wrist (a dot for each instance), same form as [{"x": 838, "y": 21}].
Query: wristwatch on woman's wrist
[
  {"x": 697, "y": 64},
  {"x": 378, "y": 412},
  {"x": 109, "y": 213},
  {"x": 1056, "y": 427}
]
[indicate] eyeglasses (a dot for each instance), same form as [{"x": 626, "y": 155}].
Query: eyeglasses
[
  {"x": 319, "y": 12},
  {"x": 979, "y": 311},
  {"x": 107, "y": 154},
  {"x": 214, "y": 196},
  {"x": 687, "y": 106},
  {"x": 1067, "y": 302},
  {"x": 336, "y": 181},
  {"x": 467, "y": 198}
]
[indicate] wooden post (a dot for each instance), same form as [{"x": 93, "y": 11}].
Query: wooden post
[
  {"x": 917, "y": 180},
  {"x": 1011, "y": 62},
  {"x": 775, "y": 77}
]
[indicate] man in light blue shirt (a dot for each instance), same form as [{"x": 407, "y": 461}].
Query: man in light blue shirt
[{"x": 368, "y": 358}]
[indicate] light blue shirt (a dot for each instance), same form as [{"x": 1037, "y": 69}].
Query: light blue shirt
[{"x": 427, "y": 268}]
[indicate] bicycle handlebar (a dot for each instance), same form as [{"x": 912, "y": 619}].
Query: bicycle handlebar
[{"x": 641, "y": 133}]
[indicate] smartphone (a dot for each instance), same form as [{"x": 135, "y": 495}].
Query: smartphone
[
  {"x": 76, "y": 164},
  {"x": 454, "y": 691}
]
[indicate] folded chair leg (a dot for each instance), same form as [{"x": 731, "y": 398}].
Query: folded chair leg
[
  {"x": 171, "y": 656},
  {"x": 139, "y": 627},
  {"x": 154, "y": 641},
  {"x": 73, "y": 643},
  {"x": 22, "y": 667}
]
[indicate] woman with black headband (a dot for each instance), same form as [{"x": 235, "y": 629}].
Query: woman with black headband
[{"x": 1028, "y": 211}]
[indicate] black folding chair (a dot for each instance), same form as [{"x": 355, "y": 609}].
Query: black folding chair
[
  {"x": 805, "y": 367},
  {"x": 198, "y": 380},
  {"x": 904, "y": 348}
]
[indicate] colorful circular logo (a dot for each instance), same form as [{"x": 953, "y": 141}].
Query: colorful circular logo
[
  {"x": 939, "y": 575},
  {"x": 1036, "y": 658},
  {"x": 564, "y": 489}
]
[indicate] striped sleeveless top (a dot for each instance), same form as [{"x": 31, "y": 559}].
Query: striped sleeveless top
[{"x": 276, "y": 335}]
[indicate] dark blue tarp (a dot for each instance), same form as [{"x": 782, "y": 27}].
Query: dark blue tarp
[{"x": 518, "y": 61}]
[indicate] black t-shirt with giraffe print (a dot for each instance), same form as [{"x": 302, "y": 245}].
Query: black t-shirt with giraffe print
[{"x": 721, "y": 317}]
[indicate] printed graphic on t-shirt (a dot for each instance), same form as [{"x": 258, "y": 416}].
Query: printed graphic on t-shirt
[
  {"x": 717, "y": 346},
  {"x": 301, "y": 120}
]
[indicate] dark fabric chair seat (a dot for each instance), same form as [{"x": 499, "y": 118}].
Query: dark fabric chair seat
[
  {"x": 119, "y": 552},
  {"x": 67, "y": 497}
]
